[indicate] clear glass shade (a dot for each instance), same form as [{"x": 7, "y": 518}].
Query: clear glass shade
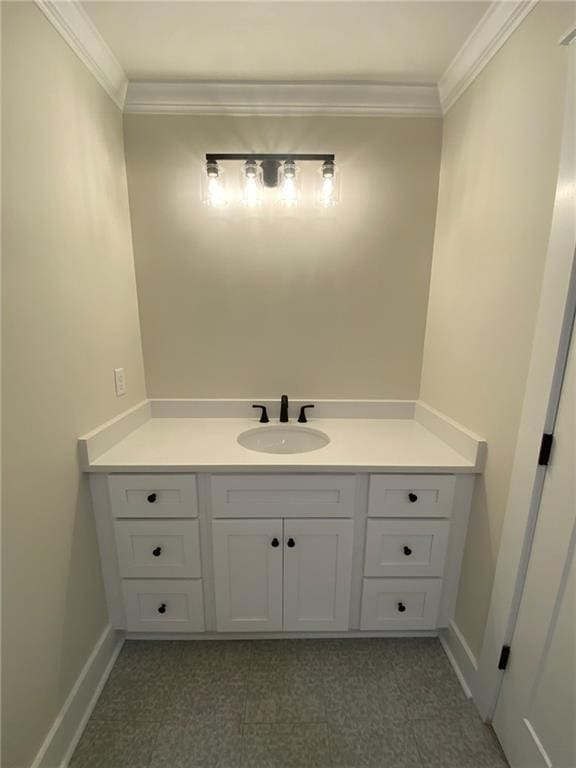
[
  {"x": 213, "y": 189},
  {"x": 251, "y": 184},
  {"x": 328, "y": 186},
  {"x": 289, "y": 184}
]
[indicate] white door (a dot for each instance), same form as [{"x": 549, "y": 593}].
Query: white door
[
  {"x": 317, "y": 573},
  {"x": 248, "y": 575},
  {"x": 535, "y": 716}
]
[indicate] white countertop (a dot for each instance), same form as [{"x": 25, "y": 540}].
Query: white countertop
[{"x": 210, "y": 444}]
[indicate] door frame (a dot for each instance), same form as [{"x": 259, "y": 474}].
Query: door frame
[{"x": 554, "y": 322}]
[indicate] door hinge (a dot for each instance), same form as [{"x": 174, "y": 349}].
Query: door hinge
[
  {"x": 545, "y": 449},
  {"x": 504, "y": 656}
]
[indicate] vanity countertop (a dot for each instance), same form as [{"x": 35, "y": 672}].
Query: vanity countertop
[{"x": 210, "y": 444}]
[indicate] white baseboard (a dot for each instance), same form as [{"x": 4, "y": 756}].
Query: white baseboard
[
  {"x": 461, "y": 657},
  {"x": 69, "y": 725}
]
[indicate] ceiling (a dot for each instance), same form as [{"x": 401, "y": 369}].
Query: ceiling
[{"x": 393, "y": 42}]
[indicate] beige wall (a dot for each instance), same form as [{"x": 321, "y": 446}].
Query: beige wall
[
  {"x": 70, "y": 317},
  {"x": 312, "y": 306},
  {"x": 499, "y": 164}
]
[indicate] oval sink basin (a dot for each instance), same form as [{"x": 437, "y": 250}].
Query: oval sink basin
[{"x": 283, "y": 439}]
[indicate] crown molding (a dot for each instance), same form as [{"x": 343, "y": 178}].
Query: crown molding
[
  {"x": 360, "y": 99},
  {"x": 501, "y": 19},
  {"x": 71, "y": 20},
  {"x": 257, "y": 98}
]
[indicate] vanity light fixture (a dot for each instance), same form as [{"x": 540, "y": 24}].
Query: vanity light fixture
[{"x": 265, "y": 171}]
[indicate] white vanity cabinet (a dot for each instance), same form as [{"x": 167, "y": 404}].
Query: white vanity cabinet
[
  {"x": 281, "y": 552},
  {"x": 273, "y": 575}
]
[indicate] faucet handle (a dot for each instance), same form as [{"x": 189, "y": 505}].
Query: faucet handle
[
  {"x": 264, "y": 415},
  {"x": 302, "y": 418}
]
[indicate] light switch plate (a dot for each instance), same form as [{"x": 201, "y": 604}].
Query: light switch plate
[{"x": 119, "y": 381}]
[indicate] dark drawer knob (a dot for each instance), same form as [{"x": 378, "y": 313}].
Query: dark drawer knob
[
  {"x": 157, "y": 551},
  {"x": 291, "y": 543},
  {"x": 162, "y": 608},
  {"x": 275, "y": 542},
  {"x": 151, "y": 498},
  {"x": 401, "y": 607},
  {"x": 407, "y": 551},
  {"x": 412, "y": 497}
]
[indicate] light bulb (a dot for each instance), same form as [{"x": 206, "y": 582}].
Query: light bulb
[
  {"x": 252, "y": 190},
  {"x": 327, "y": 192},
  {"x": 289, "y": 185},
  {"x": 214, "y": 190}
]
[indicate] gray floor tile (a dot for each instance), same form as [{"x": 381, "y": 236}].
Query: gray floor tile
[
  {"x": 141, "y": 656},
  {"x": 287, "y": 646},
  {"x": 426, "y": 653},
  {"x": 289, "y": 657},
  {"x": 285, "y": 746},
  {"x": 211, "y": 745},
  {"x": 205, "y": 696},
  {"x": 363, "y": 653},
  {"x": 282, "y": 676},
  {"x": 135, "y": 697},
  {"x": 389, "y": 745},
  {"x": 363, "y": 699},
  {"x": 429, "y": 694},
  {"x": 458, "y": 744},
  {"x": 115, "y": 744},
  {"x": 215, "y": 655},
  {"x": 285, "y": 684},
  {"x": 294, "y": 702}
]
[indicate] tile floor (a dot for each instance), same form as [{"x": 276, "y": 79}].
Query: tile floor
[{"x": 285, "y": 704}]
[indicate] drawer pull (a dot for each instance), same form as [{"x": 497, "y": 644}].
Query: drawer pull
[
  {"x": 275, "y": 542},
  {"x": 401, "y": 607},
  {"x": 151, "y": 498},
  {"x": 291, "y": 543},
  {"x": 157, "y": 551},
  {"x": 412, "y": 498},
  {"x": 407, "y": 551},
  {"x": 162, "y": 608}
]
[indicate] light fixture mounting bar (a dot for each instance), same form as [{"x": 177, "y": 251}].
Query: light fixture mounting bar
[{"x": 257, "y": 156}]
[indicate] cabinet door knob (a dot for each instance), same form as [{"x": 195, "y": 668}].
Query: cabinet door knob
[
  {"x": 412, "y": 497},
  {"x": 157, "y": 551},
  {"x": 407, "y": 551},
  {"x": 275, "y": 542},
  {"x": 401, "y": 607},
  {"x": 151, "y": 498},
  {"x": 291, "y": 543},
  {"x": 162, "y": 608}
]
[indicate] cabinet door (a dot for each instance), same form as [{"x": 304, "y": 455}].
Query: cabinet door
[
  {"x": 248, "y": 575},
  {"x": 317, "y": 574}
]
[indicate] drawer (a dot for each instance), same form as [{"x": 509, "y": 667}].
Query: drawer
[
  {"x": 400, "y": 604},
  {"x": 411, "y": 495},
  {"x": 283, "y": 495},
  {"x": 406, "y": 547},
  {"x": 163, "y": 606},
  {"x": 158, "y": 548},
  {"x": 153, "y": 495}
]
